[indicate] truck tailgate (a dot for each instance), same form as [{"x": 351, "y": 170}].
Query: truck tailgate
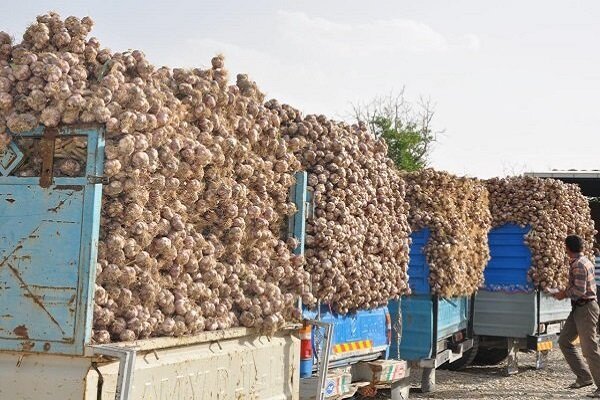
[{"x": 247, "y": 367}]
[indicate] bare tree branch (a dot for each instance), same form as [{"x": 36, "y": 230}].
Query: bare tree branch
[{"x": 402, "y": 117}]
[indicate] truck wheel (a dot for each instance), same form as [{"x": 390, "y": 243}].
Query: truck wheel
[
  {"x": 467, "y": 358},
  {"x": 490, "y": 356}
]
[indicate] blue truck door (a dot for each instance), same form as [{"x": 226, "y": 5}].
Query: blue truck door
[{"x": 48, "y": 250}]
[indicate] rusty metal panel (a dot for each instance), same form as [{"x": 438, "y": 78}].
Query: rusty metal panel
[{"x": 48, "y": 245}]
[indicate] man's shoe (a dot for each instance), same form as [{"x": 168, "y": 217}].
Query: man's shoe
[
  {"x": 579, "y": 385},
  {"x": 595, "y": 394}
]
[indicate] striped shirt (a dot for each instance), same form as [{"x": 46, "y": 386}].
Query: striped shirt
[{"x": 582, "y": 282}]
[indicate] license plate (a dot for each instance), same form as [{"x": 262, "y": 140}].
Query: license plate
[
  {"x": 552, "y": 329},
  {"x": 544, "y": 346}
]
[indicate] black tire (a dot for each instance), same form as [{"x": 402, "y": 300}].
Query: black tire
[
  {"x": 490, "y": 356},
  {"x": 467, "y": 358}
]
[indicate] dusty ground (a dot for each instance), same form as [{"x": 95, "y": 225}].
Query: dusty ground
[{"x": 491, "y": 383}]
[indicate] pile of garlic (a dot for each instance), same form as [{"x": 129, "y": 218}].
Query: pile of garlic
[
  {"x": 199, "y": 177},
  {"x": 456, "y": 212},
  {"x": 358, "y": 239},
  {"x": 553, "y": 210},
  {"x": 193, "y": 218}
]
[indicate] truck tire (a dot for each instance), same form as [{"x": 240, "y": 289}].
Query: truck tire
[
  {"x": 491, "y": 356},
  {"x": 467, "y": 358}
]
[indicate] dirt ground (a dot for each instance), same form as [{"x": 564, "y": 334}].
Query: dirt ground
[{"x": 491, "y": 382}]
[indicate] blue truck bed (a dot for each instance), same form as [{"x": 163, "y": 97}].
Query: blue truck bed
[
  {"x": 510, "y": 313},
  {"x": 509, "y": 305},
  {"x": 424, "y": 323},
  {"x": 426, "y": 319}
]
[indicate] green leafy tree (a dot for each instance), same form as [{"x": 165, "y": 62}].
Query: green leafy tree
[{"x": 405, "y": 126}]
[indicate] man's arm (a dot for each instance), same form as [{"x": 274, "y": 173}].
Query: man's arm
[{"x": 579, "y": 279}]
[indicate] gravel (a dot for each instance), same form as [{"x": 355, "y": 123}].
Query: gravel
[{"x": 492, "y": 383}]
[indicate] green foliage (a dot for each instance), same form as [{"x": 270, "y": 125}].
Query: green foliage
[
  {"x": 408, "y": 144},
  {"x": 403, "y": 125}
]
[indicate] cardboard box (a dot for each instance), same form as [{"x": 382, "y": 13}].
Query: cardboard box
[
  {"x": 380, "y": 371},
  {"x": 337, "y": 384}
]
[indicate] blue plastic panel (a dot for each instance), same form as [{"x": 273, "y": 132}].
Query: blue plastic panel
[
  {"x": 356, "y": 326},
  {"x": 418, "y": 270},
  {"x": 510, "y": 260},
  {"x": 418, "y": 316},
  {"x": 48, "y": 249}
]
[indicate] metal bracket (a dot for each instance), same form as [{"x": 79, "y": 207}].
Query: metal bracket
[
  {"x": 98, "y": 179},
  {"x": 10, "y": 159},
  {"x": 397, "y": 326},
  {"x": 47, "y": 151},
  {"x": 400, "y": 389},
  {"x": 512, "y": 366},
  {"x": 541, "y": 359},
  {"x": 325, "y": 351},
  {"x": 428, "y": 380},
  {"x": 126, "y": 357},
  {"x": 310, "y": 205},
  {"x": 460, "y": 350},
  {"x": 297, "y": 222}
]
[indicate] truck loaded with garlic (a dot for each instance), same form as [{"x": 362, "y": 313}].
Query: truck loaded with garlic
[
  {"x": 553, "y": 210},
  {"x": 515, "y": 309},
  {"x": 199, "y": 172},
  {"x": 450, "y": 220},
  {"x": 455, "y": 210}
]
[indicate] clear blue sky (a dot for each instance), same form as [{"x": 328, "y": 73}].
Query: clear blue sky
[{"x": 516, "y": 83}]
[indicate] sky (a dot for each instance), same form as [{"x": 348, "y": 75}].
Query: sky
[{"x": 515, "y": 84}]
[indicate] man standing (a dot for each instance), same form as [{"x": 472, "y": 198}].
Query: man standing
[{"x": 582, "y": 320}]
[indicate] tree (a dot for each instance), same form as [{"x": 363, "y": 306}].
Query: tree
[{"x": 405, "y": 126}]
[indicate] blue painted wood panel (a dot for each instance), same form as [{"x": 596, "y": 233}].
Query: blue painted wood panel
[
  {"x": 417, "y": 310},
  {"x": 418, "y": 269},
  {"x": 510, "y": 260}
]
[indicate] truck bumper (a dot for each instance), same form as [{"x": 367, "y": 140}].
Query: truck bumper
[
  {"x": 444, "y": 356},
  {"x": 541, "y": 342}
]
